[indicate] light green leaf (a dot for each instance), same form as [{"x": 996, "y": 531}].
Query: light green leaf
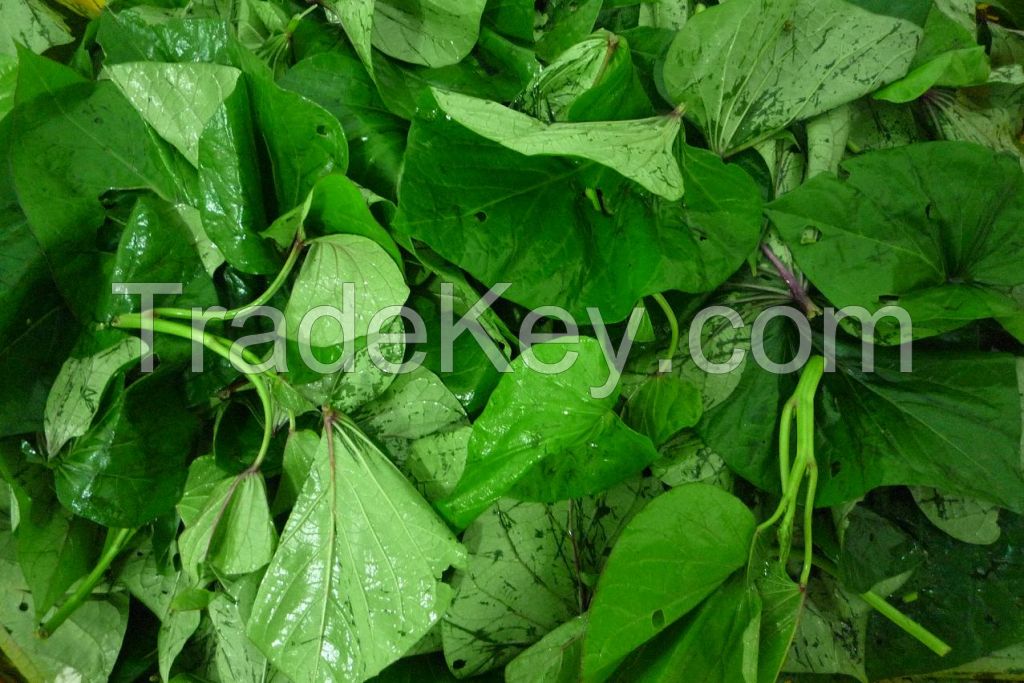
[
  {"x": 745, "y": 69},
  {"x": 429, "y": 32},
  {"x": 236, "y": 659},
  {"x": 686, "y": 459},
  {"x": 827, "y": 135},
  {"x": 355, "y": 581},
  {"x": 555, "y": 658},
  {"x": 964, "y": 518},
  {"x": 299, "y": 452},
  {"x": 956, "y": 68},
  {"x": 670, "y": 557},
  {"x": 782, "y": 604},
  {"x": 227, "y": 521},
  {"x": 336, "y": 263},
  {"x": 8, "y": 82},
  {"x": 33, "y": 24},
  {"x": 519, "y": 584},
  {"x": 84, "y": 648},
  {"x": 640, "y": 150},
  {"x": 76, "y": 393},
  {"x": 356, "y": 18},
  {"x": 176, "y": 99},
  {"x": 545, "y": 436}
]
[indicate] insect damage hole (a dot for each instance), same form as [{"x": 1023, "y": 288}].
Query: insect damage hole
[{"x": 658, "y": 618}]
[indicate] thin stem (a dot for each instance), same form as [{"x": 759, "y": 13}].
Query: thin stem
[
  {"x": 812, "y": 487},
  {"x": 785, "y": 425},
  {"x": 86, "y": 585},
  {"x": 267, "y": 295},
  {"x": 673, "y": 324},
  {"x": 222, "y": 347},
  {"x": 919, "y": 632},
  {"x": 795, "y": 288}
]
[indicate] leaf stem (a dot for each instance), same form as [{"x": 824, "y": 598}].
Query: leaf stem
[
  {"x": 272, "y": 289},
  {"x": 673, "y": 324},
  {"x": 113, "y": 548},
  {"x": 919, "y": 632},
  {"x": 797, "y": 291}
]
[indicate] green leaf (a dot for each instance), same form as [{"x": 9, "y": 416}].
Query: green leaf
[
  {"x": 541, "y": 231},
  {"x": 545, "y": 436},
  {"x": 747, "y": 69},
  {"x": 429, "y": 32},
  {"x": 304, "y": 142},
  {"x": 967, "y": 596},
  {"x": 33, "y": 24},
  {"x": 531, "y": 567},
  {"x": 932, "y": 228},
  {"x": 54, "y": 548},
  {"x": 717, "y": 642},
  {"x": 338, "y": 206},
  {"x": 227, "y": 521},
  {"x": 640, "y": 150},
  {"x": 158, "y": 245},
  {"x": 594, "y": 80},
  {"x": 129, "y": 467},
  {"x": 236, "y": 658},
  {"x": 966, "y": 519},
  {"x": 156, "y": 586},
  {"x": 356, "y": 18},
  {"x": 77, "y": 141},
  {"x": 673, "y": 554},
  {"x": 355, "y": 581},
  {"x": 376, "y": 138},
  {"x": 177, "y": 100},
  {"x": 519, "y": 584},
  {"x": 84, "y": 648},
  {"x": 555, "y": 658},
  {"x": 957, "y": 68},
  {"x": 782, "y": 604},
  {"x": 662, "y": 407},
  {"x": 75, "y": 396},
  {"x": 873, "y": 549},
  {"x": 334, "y": 263},
  {"x": 423, "y": 427},
  {"x": 563, "y": 23},
  {"x": 230, "y": 187},
  {"x": 298, "y": 460}
]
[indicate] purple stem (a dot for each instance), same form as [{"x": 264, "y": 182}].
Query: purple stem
[{"x": 795, "y": 289}]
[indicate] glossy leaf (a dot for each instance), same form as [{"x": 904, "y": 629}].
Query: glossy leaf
[
  {"x": 356, "y": 578},
  {"x": 177, "y": 100},
  {"x": 673, "y": 555},
  {"x": 545, "y": 436},
  {"x": 662, "y": 407},
  {"x": 129, "y": 467}
]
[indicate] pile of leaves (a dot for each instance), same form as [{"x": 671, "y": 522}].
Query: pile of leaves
[{"x": 632, "y": 163}]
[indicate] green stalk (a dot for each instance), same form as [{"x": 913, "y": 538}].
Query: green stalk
[
  {"x": 222, "y": 347},
  {"x": 268, "y": 294},
  {"x": 85, "y": 586},
  {"x": 919, "y": 632},
  {"x": 785, "y": 426},
  {"x": 673, "y": 324}
]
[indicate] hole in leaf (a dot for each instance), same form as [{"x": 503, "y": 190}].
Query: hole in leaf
[
  {"x": 658, "y": 619},
  {"x": 23, "y": 607},
  {"x": 480, "y": 216},
  {"x": 835, "y": 468},
  {"x": 928, "y": 210},
  {"x": 321, "y": 129},
  {"x": 459, "y": 664}
]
